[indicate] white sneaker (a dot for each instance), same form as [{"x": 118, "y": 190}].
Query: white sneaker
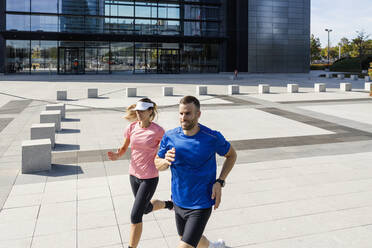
[{"x": 218, "y": 244}]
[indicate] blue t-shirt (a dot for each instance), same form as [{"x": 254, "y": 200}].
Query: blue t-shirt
[{"x": 194, "y": 168}]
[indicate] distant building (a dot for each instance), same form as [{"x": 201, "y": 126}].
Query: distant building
[{"x": 154, "y": 36}]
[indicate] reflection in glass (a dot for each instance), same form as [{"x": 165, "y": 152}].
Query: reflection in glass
[
  {"x": 122, "y": 57},
  {"x": 169, "y": 11},
  {"x": 44, "y": 23},
  {"x": 146, "y": 58},
  {"x": 46, "y": 6},
  {"x": 43, "y": 56},
  {"x": 17, "y": 56},
  {"x": 18, "y": 5},
  {"x": 72, "y": 24},
  {"x": 146, "y": 10},
  {"x": 17, "y": 22},
  {"x": 145, "y": 26}
]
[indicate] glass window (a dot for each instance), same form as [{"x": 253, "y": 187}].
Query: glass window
[
  {"x": 192, "y": 12},
  {"x": 73, "y": 7},
  {"x": 17, "y": 22},
  {"x": 71, "y": 24},
  {"x": 17, "y": 56},
  {"x": 126, "y": 10},
  {"x": 44, "y": 23},
  {"x": 167, "y": 27},
  {"x": 146, "y": 26},
  {"x": 46, "y": 6},
  {"x": 192, "y": 28},
  {"x": 114, "y": 10},
  {"x": 43, "y": 56},
  {"x": 146, "y": 10},
  {"x": 169, "y": 11},
  {"x": 18, "y": 5},
  {"x": 122, "y": 57},
  {"x": 94, "y": 24}
]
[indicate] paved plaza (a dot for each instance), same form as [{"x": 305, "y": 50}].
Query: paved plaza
[{"x": 303, "y": 178}]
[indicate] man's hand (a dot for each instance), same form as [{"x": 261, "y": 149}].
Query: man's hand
[
  {"x": 164, "y": 163},
  {"x": 216, "y": 194},
  {"x": 169, "y": 156}
]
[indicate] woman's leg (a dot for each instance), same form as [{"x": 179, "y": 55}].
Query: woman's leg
[{"x": 143, "y": 194}]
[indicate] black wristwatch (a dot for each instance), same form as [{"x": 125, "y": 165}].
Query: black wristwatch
[{"x": 222, "y": 182}]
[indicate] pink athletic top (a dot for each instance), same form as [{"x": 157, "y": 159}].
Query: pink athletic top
[{"x": 144, "y": 143}]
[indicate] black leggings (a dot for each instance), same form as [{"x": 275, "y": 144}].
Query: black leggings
[{"x": 143, "y": 190}]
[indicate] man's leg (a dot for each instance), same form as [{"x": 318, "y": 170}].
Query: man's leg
[{"x": 196, "y": 222}]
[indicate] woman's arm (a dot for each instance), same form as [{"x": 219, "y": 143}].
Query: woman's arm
[{"x": 120, "y": 152}]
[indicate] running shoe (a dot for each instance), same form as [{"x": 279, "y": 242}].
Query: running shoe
[{"x": 218, "y": 244}]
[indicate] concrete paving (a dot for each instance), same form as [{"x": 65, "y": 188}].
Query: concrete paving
[{"x": 303, "y": 176}]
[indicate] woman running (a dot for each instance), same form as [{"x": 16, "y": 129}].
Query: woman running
[{"x": 144, "y": 137}]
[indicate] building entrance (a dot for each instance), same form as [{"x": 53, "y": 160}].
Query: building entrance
[
  {"x": 169, "y": 61},
  {"x": 71, "y": 60}
]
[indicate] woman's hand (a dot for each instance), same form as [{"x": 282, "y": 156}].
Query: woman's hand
[{"x": 113, "y": 155}]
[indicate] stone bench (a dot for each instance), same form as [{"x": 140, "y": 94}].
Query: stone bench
[
  {"x": 51, "y": 116},
  {"x": 367, "y": 86},
  {"x": 233, "y": 90},
  {"x": 319, "y": 87},
  {"x": 58, "y": 106},
  {"x": 36, "y": 155},
  {"x": 62, "y": 95},
  {"x": 292, "y": 88},
  {"x": 201, "y": 90},
  {"x": 367, "y": 79},
  {"x": 263, "y": 88},
  {"x": 345, "y": 86},
  {"x": 354, "y": 77},
  {"x": 44, "y": 131},
  {"x": 340, "y": 76},
  {"x": 131, "y": 92},
  {"x": 167, "y": 91},
  {"x": 92, "y": 93}
]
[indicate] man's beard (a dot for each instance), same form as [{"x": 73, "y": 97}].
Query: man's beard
[{"x": 188, "y": 125}]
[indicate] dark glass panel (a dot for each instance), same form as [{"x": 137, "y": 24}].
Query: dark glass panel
[
  {"x": 122, "y": 57},
  {"x": 17, "y": 56},
  {"x": 43, "y": 56}
]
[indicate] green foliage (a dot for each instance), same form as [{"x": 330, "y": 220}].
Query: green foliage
[
  {"x": 315, "y": 48},
  {"x": 318, "y": 66},
  {"x": 351, "y": 64}
]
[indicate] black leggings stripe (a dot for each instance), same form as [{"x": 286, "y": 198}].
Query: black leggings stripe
[{"x": 143, "y": 190}]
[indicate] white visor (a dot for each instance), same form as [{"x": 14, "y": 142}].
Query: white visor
[{"x": 143, "y": 105}]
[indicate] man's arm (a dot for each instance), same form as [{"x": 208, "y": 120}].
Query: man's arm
[
  {"x": 226, "y": 168},
  {"x": 163, "y": 163}
]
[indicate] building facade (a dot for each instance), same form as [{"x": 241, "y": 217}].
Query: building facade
[{"x": 154, "y": 36}]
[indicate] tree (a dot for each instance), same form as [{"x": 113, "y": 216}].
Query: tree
[
  {"x": 360, "y": 43},
  {"x": 315, "y": 48},
  {"x": 346, "y": 47}
]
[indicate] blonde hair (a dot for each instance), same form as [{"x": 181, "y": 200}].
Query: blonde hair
[{"x": 131, "y": 113}]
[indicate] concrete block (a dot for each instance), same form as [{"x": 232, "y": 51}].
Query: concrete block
[
  {"x": 233, "y": 89},
  {"x": 292, "y": 88},
  {"x": 367, "y": 78},
  {"x": 59, "y": 106},
  {"x": 62, "y": 95},
  {"x": 263, "y": 88},
  {"x": 44, "y": 131},
  {"x": 36, "y": 155},
  {"x": 354, "y": 77},
  {"x": 51, "y": 116},
  {"x": 340, "y": 76},
  {"x": 328, "y": 75},
  {"x": 92, "y": 93},
  {"x": 201, "y": 90},
  {"x": 319, "y": 87},
  {"x": 131, "y": 92},
  {"x": 345, "y": 86},
  {"x": 364, "y": 71},
  {"x": 367, "y": 86},
  {"x": 167, "y": 91}
]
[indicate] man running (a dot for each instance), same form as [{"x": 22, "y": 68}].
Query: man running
[{"x": 190, "y": 151}]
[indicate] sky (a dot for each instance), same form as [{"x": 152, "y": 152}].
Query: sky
[{"x": 344, "y": 17}]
